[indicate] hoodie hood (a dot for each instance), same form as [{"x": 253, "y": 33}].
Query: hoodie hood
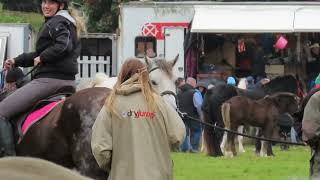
[
  {"x": 130, "y": 86},
  {"x": 65, "y": 13}
]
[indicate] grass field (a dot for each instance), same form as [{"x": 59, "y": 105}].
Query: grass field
[
  {"x": 35, "y": 19},
  {"x": 286, "y": 165}
]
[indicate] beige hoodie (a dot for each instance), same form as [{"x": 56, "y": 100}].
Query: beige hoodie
[{"x": 136, "y": 145}]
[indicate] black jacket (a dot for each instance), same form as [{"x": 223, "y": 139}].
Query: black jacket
[
  {"x": 58, "y": 48},
  {"x": 185, "y": 100}
]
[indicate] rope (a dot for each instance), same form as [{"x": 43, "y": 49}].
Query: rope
[{"x": 237, "y": 133}]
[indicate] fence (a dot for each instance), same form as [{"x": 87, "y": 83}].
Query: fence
[{"x": 90, "y": 65}]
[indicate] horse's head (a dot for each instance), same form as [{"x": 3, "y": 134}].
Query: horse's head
[
  {"x": 286, "y": 83},
  {"x": 286, "y": 102},
  {"x": 162, "y": 78}
]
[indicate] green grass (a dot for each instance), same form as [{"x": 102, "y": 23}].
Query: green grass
[
  {"x": 286, "y": 165},
  {"x": 35, "y": 19}
]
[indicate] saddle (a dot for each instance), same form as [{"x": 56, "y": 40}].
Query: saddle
[{"x": 25, "y": 121}]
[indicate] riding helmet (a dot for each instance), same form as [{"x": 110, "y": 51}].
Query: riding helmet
[{"x": 65, "y": 2}]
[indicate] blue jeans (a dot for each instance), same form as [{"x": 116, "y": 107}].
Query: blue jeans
[
  {"x": 186, "y": 146},
  {"x": 193, "y": 135}
]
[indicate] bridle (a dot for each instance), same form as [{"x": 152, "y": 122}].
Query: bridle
[{"x": 167, "y": 92}]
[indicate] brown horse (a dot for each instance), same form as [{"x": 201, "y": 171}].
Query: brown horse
[
  {"x": 263, "y": 113},
  {"x": 64, "y": 135},
  {"x": 222, "y": 92}
]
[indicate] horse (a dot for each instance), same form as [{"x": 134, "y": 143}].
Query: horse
[
  {"x": 17, "y": 168},
  {"x": 63, "y": 136},
  {"x": 298, "y": 116},
  {"x": 263, "y": 113},
  {"x": 222, "y": 92}
]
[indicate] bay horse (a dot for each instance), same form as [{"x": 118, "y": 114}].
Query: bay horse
[
  {"x": 263, "y": 113},
  {"x": 222, "y": 92},
  {"x": 64, "y": 135}
]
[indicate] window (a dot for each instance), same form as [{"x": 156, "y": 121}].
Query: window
[
  {"x": 3, "y": 49},
  {"x": 145, "y": 46}
]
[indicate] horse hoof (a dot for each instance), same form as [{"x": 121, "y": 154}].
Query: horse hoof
[
  {"x": 242, "y": 150},
  {"x": 263, "y": 155},
  {"x": 229, "y": 154}
]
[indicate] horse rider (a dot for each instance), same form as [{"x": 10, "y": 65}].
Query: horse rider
[
  {"x": 133, "y": 133},
  {"x": 55, "y": 59},
  {"x": 311, "y": 132}
]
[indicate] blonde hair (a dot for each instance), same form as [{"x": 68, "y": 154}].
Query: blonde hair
[
  {"x": 80, "y": 23},
  {"x": 128, "y": 69}
]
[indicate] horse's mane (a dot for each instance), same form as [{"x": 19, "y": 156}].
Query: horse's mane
[
  {"x": 282, "y": 94},
  {"x": 286, "y": 83},
  {"x": 165, "y": 66}
]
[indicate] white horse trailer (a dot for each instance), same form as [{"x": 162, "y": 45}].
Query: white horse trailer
[
  {"x": 158, "y": 29},
  {"x": 14, "y": 40},
  {"x": 154, "y": 28}
]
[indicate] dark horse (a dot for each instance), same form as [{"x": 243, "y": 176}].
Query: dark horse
[
  {"x": 64, "y": 135},
  {"x": 220, "y": 93},
  {"x": 263, "y": 113}
]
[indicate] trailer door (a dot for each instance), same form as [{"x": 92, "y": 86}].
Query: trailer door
[
  {"x": 3, "y": 48},
  {"x": 173, "y": 45}
]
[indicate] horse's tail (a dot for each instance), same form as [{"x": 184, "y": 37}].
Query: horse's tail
[
  {"x": 225, "y": 112},
  {"x": 212, "y": 137}
]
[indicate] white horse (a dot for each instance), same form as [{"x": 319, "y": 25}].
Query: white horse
[
  {"x": 160, "y": 74},
  {"x": 243, "y": 83}
]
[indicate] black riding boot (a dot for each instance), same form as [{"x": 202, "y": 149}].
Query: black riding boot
[{"x": 7, "y": 147}]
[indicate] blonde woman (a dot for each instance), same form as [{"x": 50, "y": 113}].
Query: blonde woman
[
  {"x": 56, "y": 52},
  {"x": 134, "y": 131}
]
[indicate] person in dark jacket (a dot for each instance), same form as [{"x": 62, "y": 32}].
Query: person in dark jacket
[
  {"x": 191, "y": 106},
  {"x": 55, "y": 60}
]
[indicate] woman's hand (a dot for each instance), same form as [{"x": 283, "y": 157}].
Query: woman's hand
[
  {"x": 9, "y": 63},
  {"x": 36, "y": 61}
]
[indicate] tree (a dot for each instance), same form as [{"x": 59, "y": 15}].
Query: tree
[{"x": 102, "y": 15}]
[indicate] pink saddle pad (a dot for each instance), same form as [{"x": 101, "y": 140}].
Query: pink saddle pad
[{"x": 35, "y": 116}]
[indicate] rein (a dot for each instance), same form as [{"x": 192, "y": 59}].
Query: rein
[{"x": 237, "y": 133}]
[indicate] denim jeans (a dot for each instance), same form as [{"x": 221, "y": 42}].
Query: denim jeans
[
  {"x": 186, "y": 146},
  {"x": 193, "y": 135}
]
